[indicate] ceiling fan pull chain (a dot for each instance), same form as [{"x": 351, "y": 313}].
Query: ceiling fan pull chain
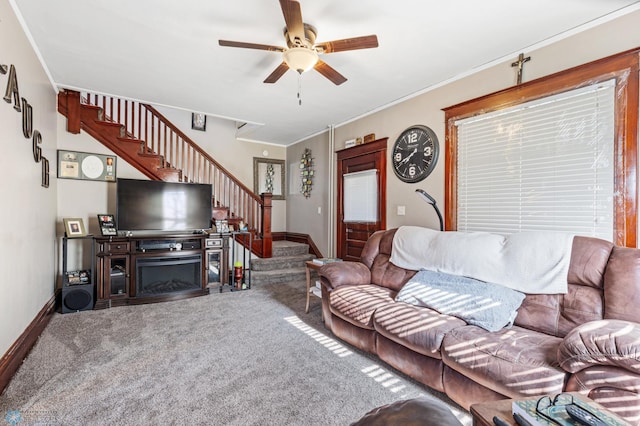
[{"x": 300, "y": 89}]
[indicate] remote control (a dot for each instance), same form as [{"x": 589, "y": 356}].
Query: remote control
[
  {"x": 499, "y": 421},
  {"x": 521, "y": 421},
  {"x": 582, "y": 416}
]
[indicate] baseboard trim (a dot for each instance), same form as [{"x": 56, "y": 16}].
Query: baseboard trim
[
  {"x": 298, "y": 238},
  {"x": 13, "y": 358}
]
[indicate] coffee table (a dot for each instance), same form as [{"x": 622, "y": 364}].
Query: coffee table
[{"x": 483, "y": 412}]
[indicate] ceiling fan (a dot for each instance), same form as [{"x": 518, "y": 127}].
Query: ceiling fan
[{"x": 301, "y": 53}]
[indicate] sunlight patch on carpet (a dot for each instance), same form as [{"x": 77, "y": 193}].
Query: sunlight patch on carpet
[
  {"x": 385, "y": 378},
  {"x": 327, "y": 342}
]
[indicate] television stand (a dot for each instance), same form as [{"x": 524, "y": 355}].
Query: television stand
[{"x": 151, "y": 268}]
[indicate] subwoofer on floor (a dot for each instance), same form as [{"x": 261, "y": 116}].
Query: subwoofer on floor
[{"x": 77, "y": 298}]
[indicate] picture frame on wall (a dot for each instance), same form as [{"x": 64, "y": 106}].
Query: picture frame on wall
[
  {"x": 269, "y": 176},
  {"x": 107, "y": 224},
  {"x": 86, "y": 166},
  {"x": 74, "y": 227},
  {"x": 198, "y": 121}
]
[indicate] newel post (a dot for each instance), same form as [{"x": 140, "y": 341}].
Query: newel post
[
  {"x": 267, "y": 238},
  {"x": 72, "y": 101}
]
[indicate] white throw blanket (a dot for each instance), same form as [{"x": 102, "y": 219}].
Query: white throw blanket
[{"x": 530, "y": 262}]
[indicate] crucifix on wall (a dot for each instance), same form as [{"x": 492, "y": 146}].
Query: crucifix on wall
[{"x": 520, "y": 64}]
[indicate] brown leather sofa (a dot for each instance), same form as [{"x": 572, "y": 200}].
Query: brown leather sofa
[{"x": 587, "y": 340}]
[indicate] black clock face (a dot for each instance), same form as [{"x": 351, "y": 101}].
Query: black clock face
[{"x": 415, "y": 154}]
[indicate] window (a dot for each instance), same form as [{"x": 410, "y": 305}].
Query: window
[
  {"x": 361, "y": 196},
  {"x": 542, "y": 165},
  {"x": 544, "y": 197}
]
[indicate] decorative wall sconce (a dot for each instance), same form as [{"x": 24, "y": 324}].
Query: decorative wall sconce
[
  {"x": 269, "y": 179},
  {"x": 306, "y": 172}
]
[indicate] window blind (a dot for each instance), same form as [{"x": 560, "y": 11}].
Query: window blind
[
  {"x": 542, "y": 165},
  {"x": 361, "y": 196}
]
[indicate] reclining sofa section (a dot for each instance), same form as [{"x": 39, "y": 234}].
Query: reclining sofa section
[{"x": 585, "y": 340}]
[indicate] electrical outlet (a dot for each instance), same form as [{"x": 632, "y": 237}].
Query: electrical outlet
[
  {"x": 319, "y": 210},
  {"x": 401, "y": 210}
]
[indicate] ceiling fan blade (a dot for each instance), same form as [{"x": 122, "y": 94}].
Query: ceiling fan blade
[
  {"x": 277, "y": 73},
  {"x": 364, "y": 42},
  {"x": 242, "y": 44},
  {"x": 333, "y": 75},
  {"x": 293, "y": 19}
]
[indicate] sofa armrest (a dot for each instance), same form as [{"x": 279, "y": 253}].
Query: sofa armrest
[
  {"x": 603, "y": 342},
  {"x": 336, "y": 274}
]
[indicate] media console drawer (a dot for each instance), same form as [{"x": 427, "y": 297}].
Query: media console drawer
[
  {"x": 117, "y": 247},
  {"x": 213, "y": 243}
]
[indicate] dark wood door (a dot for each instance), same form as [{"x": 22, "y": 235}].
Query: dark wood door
[{"x": 351, "y": 236}]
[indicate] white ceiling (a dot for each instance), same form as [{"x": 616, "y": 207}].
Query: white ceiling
[{"x": 166, "y": 52}]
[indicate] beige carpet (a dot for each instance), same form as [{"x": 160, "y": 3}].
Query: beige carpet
[{"x": 243, "y": 358}]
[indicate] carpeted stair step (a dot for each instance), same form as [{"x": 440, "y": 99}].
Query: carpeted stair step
[
  {"x": 287, "y": 264},
  {"x": 289, "y": 248},
  {"x": 281, "y": 262},
  {"x": 280, "y": 276}
]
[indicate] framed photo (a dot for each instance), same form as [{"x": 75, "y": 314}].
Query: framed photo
[
  {"x": 198, "y": 121},
  {"x": 268, "y": 176},
  {"x": 86, "y": 166},
  {"x": 107, "y": 224},
  {"x": 222, "y": 226},
  {"x": 74, "y": 227}
]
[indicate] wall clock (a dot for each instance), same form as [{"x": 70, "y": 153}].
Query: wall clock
[{"x": 415, "y": 154}]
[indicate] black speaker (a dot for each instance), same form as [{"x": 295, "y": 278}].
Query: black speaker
[{"x": 77, "y": 298}]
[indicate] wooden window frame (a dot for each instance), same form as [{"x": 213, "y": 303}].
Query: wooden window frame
[{"x": 623, "y": 67}]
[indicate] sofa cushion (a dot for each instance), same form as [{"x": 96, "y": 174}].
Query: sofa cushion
[
  {"x": 419, "y": 329},
  {"x": 356, "y": 304},
  {"x": 335, "y": 274},
  {"x": 606, "y": 342},
  {"x": 375, "y": 256},
  {"x": 589, "y": 257},
  {"x": 513, "y": 362},
  {"x": 622, "y": 285},
  {"x": 558, "y": 314},
  {"x": 487, "y": 305}
]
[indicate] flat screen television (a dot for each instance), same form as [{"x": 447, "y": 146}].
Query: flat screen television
[{"x": 151, "y": 205}]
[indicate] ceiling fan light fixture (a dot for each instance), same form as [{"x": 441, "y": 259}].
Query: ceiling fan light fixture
[{"x": 300, "y": 59}]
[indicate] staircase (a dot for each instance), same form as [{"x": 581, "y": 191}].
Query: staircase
[
  {"x": 287, "y": 264},
  {"x": 144, "y": 138}
]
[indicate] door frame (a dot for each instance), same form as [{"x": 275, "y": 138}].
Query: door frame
[{"x": 379, "y": 149}]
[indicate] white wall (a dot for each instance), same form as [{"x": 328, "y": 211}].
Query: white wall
[
  {"x": 28, "y": 214},
  {"x": 610, "y": 38},
  {"x": 302, "y": 213}
]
